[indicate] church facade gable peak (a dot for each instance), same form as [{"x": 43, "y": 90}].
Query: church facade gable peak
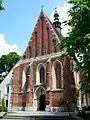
[{"x": 43, "y": 40}]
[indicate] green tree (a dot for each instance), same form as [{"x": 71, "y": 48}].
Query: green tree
[
  {"x": 77, "y": 43},
  {"x": 1, "y": 5},
  {"x": 7, "y": 62}
]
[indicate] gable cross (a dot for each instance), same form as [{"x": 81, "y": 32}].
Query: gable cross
[
  {"x": 55, "y": 9},
  {"x": 42, "y": 7}
]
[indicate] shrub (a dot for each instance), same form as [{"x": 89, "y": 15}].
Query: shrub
[{"x": 3, "y": 108}]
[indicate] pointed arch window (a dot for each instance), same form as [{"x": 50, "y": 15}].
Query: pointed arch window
[
  {"x": 25, "y": 78},
  {"x": 57, "y": 73},
  {"x": 42, "y": 74},
  {"x": 7, "y": 89}
]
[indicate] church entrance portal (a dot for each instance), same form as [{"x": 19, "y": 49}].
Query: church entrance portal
[
  {"x": 39, "y": 99},
  {"x": 42, "y": 103}
]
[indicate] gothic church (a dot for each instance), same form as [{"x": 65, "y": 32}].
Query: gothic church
[{"x": 42, "y": 80}]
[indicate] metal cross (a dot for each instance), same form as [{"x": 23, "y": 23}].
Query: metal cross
[
  {"x": 55, "y": 9},
  {"x": 42, "y": 7}
]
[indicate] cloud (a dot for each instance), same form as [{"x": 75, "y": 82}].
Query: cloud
[
  {"x": 63, "y": 16},
  {"x": 5, "y": 48}
]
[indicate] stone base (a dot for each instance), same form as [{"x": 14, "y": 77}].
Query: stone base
[
  {"x": 27, "y": 108},
  {"x": 58, "y": 109},
  {"x": 31, "y": 108},
  {"x": 17, "y": 108},
  {"x": 47, "y": 108}
]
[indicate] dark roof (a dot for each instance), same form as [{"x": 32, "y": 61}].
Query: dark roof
[{"x": 60, "y": 37}]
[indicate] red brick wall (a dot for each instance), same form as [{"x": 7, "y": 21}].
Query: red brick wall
[
  {"x": 57, "y": 99},
  {"x": 31, "y": 81},
  {"x": 69, "y": 91},
  {"x": 58, "y": 75},
  {"x": 17, "y": 84},
  {"x": 42, "y": 40},
  {"x": 30, "y": 98},
  {"x": 49, "y": 74}
]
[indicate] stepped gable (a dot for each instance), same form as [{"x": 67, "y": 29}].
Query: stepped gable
[{"x": 44, "y": 38}]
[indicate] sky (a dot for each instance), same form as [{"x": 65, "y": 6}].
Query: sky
[{"x": 19, "y": 18}]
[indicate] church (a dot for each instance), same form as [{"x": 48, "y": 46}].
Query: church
[{"x": 43, "y": 80}]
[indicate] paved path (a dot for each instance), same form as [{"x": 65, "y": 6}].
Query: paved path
[{"x": 2, "y": 114}]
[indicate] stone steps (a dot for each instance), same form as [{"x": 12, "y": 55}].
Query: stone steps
[
  {"x": 51, "y": 118},
  {"x": 9, "y": 117},
  {"x": 38, "y": 116}
]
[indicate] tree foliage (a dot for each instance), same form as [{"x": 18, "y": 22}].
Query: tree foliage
[
  {"x": 1, "y": 5},
  {"x": 77, "y": 43},
  {"x": 7, "y": 62}
]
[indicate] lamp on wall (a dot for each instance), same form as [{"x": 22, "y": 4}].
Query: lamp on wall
[{"x": 29, "y": 75}]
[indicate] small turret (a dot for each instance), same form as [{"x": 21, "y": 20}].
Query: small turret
[{"x": 57, "y": 23}]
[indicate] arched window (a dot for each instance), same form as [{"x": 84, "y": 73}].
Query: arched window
[
  {"x": 28, "y": 78},
  {"x": 42, "y": 75},
  {"x": 57, "y": 80},
  {"x": 25, "y": 78},
  {"x": 58, "y": 74},
  {"x": 7, "y": 89}
]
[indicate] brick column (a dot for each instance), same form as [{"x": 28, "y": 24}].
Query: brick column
[
  {"x": 51, "y": 100},
  {"x": 49, "y": 74}
]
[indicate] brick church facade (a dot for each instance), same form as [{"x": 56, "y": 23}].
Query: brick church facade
[{"x": 42, "y": 79}]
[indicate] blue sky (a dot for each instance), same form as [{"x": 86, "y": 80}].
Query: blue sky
[{"x": 19, "y": 18}]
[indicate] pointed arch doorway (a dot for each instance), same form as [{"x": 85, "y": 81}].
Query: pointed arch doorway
[
  {"x": 40, "y": 99},
  {"x": 42, "y": 102}
]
